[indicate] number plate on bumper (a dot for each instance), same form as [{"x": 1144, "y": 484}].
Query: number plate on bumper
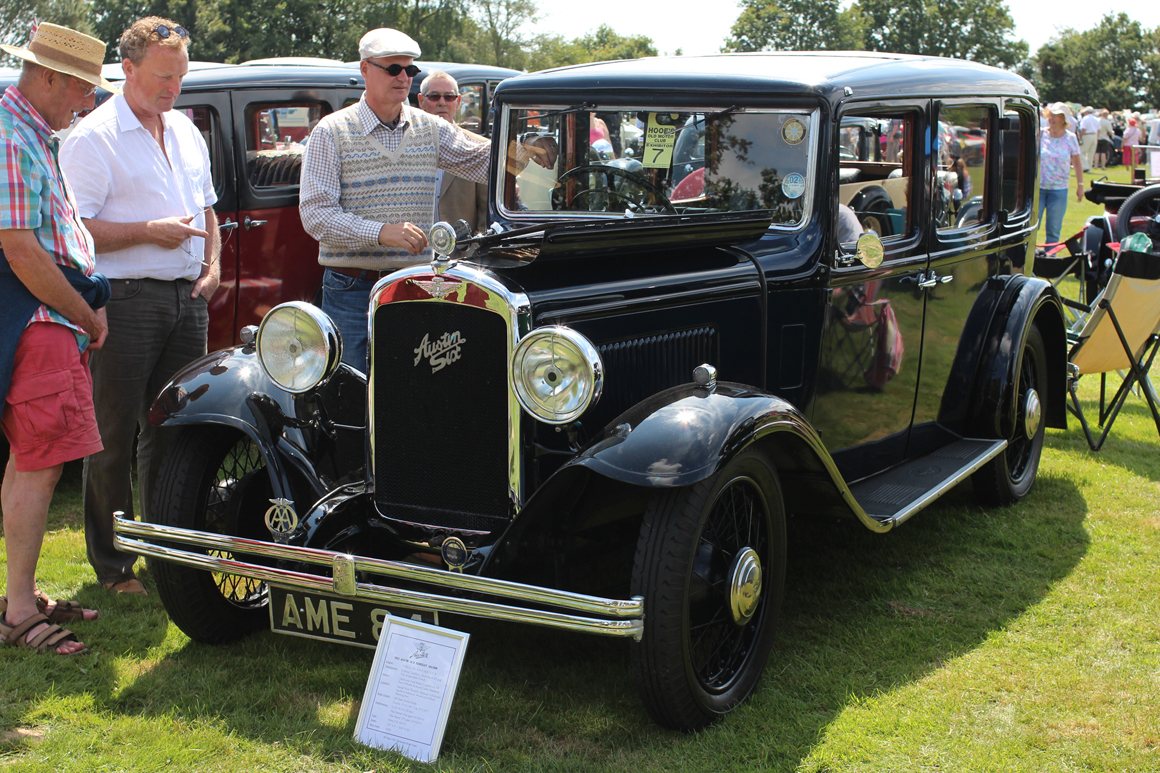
[{"x": 334, "y": 619}]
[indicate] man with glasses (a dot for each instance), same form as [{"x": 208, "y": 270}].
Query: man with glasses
[
  {"x": 141, "y": 173},
  {"x": 369, "y": 184},
  {"x": 47, "y": 326},
  {"x": 455, "y": 199}
]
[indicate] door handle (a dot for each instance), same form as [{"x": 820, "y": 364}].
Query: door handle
[
  {"x": 227, "y": 226},
  {"x": 248, "y": 223},
  {"x": 933, "y": 280}
]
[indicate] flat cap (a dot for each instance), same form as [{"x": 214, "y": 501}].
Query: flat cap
[{"x": 387, "y": 42}]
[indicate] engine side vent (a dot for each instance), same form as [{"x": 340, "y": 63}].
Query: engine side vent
[{"x": 639, "y": 367}]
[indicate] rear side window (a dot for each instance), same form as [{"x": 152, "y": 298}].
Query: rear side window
[
  {"x": 206, "y": 121},
  {"x": 276, "y": 137},
  {"x": 960, "y": 189},
  {"x": 1016, "y": 135},
  {"x": 470, "y": 112}
]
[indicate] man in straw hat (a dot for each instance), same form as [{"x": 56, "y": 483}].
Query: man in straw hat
[
  {"x": 141, "y": 174},
  {"x": 47, "y": 325}
]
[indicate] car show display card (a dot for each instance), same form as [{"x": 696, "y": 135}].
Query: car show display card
[{"x": 410, "y": 688}]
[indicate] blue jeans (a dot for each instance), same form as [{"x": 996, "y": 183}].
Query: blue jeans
[
  {"x": 1055, "y": 202},
  {"x": 346, "y": 300}
]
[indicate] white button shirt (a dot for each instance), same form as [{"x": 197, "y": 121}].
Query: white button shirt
[{"x": 119, "y": 174}]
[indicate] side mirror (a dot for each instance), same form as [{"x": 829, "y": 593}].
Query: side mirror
[{"x": 869, "y": 250}]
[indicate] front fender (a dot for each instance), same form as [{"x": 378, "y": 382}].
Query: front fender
[
  {"x": 684, "y": 435},
  {"x": 229, "y": 387},
  {"x": 681, "y": 435}
]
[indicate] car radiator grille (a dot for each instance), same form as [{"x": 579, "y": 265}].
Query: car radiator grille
[{"x": 440, "y": 439}]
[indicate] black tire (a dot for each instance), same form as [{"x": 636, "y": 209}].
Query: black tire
[
  {"x": 1009, "y": 476},
  {"x": 213, "y": 479},
  {"x": 1144, "y": 207},
  {"x": 694, "y": 662}
]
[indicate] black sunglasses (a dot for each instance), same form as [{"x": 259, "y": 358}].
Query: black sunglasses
[
  {"x": 435, "y": 97},
  {"x": 395, "y": 69},
  {"x": 163, "y": 31}
]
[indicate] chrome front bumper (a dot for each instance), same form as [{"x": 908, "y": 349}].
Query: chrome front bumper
[{"x": 577, "y": 612}]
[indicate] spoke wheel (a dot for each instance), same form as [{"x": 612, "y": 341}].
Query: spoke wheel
[
  {"x": 1008, "y": 477},
  {"x": 1140, "y": 213},
  {"x": 710, "y": 564},
  {"x": 212, "y": 480}
]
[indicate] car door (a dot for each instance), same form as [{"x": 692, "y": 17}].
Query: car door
[
  {"x": 965, "y": 234},
  {"x": 872, "y": 338},
  {"x": 977, "y": 234},
  {"x": 277, "y": 261}
]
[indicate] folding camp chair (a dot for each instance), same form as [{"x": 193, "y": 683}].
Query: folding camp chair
[{"x": 1122, "y": 333}]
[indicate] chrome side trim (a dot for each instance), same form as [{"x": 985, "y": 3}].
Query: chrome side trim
[{"x": 627, "y": 614}]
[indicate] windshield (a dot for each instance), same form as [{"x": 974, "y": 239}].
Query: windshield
[{"x": 585, "y": 161}]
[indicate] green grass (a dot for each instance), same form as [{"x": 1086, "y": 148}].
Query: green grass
[
  {"x": 1018, "y": 639},
  {"x": 1078, "y": 213}
]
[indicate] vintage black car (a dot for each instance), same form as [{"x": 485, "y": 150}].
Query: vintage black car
[{"x": 599, "y": 415}]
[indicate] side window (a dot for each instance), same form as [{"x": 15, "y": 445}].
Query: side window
[
  {"x": 876, "y": 174},
  {"x": 1016, "y": 133},
  {"x": 206, "y": 121},
  {"x": 960, "y": 189},
  {"x": 276, "y": 137},
  {"x": 470, "y": 112}
]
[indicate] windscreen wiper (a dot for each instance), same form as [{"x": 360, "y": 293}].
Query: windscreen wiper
[
  {"x": 706, "y": 119},
  {"x": 583, "y": 107}
]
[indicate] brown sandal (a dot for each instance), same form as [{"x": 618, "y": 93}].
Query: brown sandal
[
  {"x": 46, "y": 641},
  {"x": 63, "y": 612}
]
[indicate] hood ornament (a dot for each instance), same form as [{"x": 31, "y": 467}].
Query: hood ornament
[{"x": 437, "y": 286}]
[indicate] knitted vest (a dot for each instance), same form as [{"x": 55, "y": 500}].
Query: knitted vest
[{"x": 383, "y": 186}]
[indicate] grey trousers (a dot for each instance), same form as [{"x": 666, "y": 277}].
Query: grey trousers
[{"x": 155, "y": 329}]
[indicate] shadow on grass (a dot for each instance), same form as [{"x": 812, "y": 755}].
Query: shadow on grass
[
  {"x": 1130, "y": 445},
  {"x": 864, "y": 614}
]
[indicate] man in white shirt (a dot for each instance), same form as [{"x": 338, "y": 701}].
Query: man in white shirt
[
  {"x": 1089, "y": 130},
  {"x": 141, "y": 175}
]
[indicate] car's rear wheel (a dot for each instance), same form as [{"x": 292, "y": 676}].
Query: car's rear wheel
[
  {"x": 710, "y": 564},
  {"x": 212, "y": 480},
  {"x": 1009, "y": 476}
]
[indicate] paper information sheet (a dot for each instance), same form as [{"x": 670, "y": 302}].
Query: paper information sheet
[{"x": 410, "y": 688}]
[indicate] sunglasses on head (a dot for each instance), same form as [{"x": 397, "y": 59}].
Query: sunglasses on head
[
  {"x": 395, "y": 69},
  {"x": 164, "y": 32},
  {"x": 434, "y": 97}
]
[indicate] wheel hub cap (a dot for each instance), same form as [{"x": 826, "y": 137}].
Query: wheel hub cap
[
  {"x": 744, "y": 585},
  {"x": 1033, "y": 413}
]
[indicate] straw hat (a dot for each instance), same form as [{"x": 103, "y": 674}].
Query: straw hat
[{"x": 68, "y": 51}]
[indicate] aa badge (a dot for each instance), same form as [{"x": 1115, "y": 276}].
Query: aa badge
[{"x": 281, "y": 518}]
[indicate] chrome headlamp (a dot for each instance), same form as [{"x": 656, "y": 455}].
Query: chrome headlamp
[
  {"x": 557, "y": 374},
  {"x": 299, "y": 346}
]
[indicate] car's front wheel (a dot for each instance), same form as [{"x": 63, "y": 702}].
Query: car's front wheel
[
  {"x": 214, "y": 480},
  {"x": 710, "y": 564}
]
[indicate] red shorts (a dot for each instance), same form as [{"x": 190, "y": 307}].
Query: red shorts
[{"x": 48, "y": 416}]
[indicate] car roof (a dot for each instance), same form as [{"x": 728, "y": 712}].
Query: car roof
[
  {"x": 309, "y": 71},
  {"x": 827, "y": 74}
]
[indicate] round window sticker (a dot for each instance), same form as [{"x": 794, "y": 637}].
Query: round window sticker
[
  {"x": 793, "y": 131},
  {"x": 793, "y": 185}
]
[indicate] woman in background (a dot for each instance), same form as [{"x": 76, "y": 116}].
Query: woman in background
[{"x": 1057, "y": 149}]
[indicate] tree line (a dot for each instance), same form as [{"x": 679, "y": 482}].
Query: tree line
[
  {"x": 1111, "y": 65},
  {"x": 478, "y": 31}
]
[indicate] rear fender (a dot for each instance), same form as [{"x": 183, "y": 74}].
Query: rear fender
[{"x": 1022, "y": 301}]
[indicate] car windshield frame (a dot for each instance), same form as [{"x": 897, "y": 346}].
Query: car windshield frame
[{"x": 794, "y": 190}]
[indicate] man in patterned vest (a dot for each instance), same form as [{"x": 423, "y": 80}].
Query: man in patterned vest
[{"x": 368, "y": 184}]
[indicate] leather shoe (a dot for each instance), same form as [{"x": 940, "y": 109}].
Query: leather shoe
[{"x": 131, "y": 587}]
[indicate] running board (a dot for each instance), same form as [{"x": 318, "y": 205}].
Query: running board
[{"x": 893, "y": 496}]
